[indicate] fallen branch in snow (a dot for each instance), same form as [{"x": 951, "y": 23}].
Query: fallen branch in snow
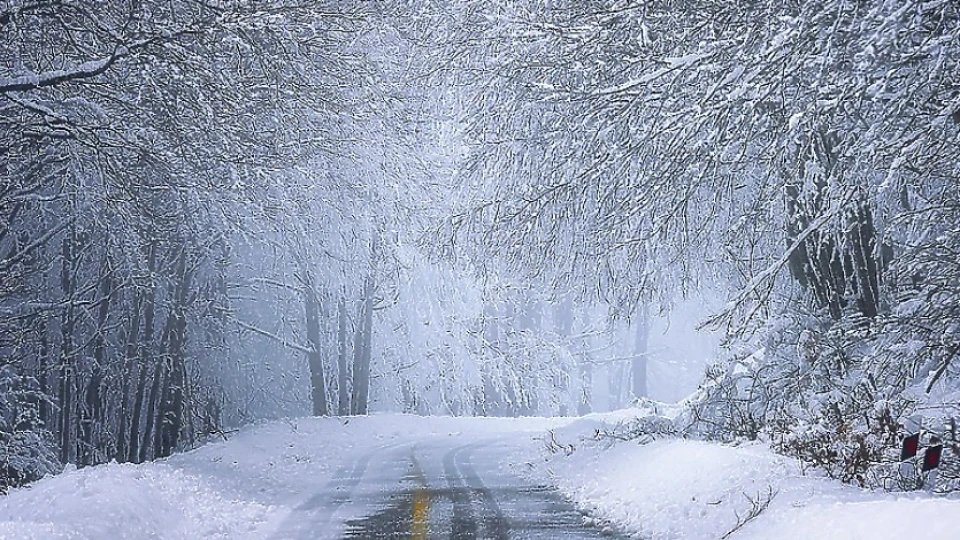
[
  {"x": 757, "y": 506},
  {"x": 643, "y": 430},
  {"x": 554, "y": 446},
  {"x": 220, "y": 433}
]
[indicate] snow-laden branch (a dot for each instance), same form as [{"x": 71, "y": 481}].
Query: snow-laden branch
[
  {"x": 90, "y": 68},
  {"x": 771, "y": 272},
  {"x": 275, "y": 337},
  {"x": 85, "y": 70},
  {"x": 672, "y": 64},
  {"x": 95, "y": 67},
  {"x": 19, "y": 255}
]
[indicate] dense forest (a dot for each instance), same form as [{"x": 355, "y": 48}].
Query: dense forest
[{"x": 218, "y": 211}]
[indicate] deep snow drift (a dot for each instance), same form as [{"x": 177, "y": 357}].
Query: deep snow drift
[{"x": 247, "y": 486}]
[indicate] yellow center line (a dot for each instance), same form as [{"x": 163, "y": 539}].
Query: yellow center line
[
  {"x": 421, "y": 503},
  {"x": 421, "y": 512}
]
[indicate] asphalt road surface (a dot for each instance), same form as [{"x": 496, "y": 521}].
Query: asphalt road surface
[{"x": 437, "y": 489}]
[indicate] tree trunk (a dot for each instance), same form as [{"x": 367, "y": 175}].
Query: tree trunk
[
  {"x": 172, "y": 413},
  {"x": 92, "y": 420},
  {"x": 831, "y": 264},
  {"x": 638, "y": 364},
  {"x": 318, "y": 388},
  {"x": 43, "y": 375},
  {"x": 585, "y": 405},
  {"x": 361, "y": 366},
  {"x": 530, "y": 318},
  {"x": 170, "y": 417},
  {"x": 343, "y": 402},
  {"x": 126, "y": 375},
  {"x": 563, "y": 322},
  {"x": 149, "y": 436},
  {"x": 151, "y": 431},
  {"x": 144, "y": 353},
  {"x": 862, "y": 239},
  {"x": 67, "y": 354}
]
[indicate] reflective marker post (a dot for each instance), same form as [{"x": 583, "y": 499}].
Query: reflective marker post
[
  {"x": 931, "y": 462},
  {"x": 931, "y": 458},
  {"x": 910, "y": 447}
]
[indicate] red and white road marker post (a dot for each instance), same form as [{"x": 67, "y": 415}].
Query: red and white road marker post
[{"x": 916, "y": 437}]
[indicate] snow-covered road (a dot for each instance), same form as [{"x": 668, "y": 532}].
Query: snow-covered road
[{"x": 458, "y": 487}]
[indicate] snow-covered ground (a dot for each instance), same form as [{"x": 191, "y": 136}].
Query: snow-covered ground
[
  {"x": 689, "y": 489},
  {"x": 246, "y": 487}
]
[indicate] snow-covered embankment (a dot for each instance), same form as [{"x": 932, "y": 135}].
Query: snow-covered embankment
[{"x": 684, "y": 489}]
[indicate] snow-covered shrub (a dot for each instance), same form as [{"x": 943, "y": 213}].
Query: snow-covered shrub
[
  {"x": 742, "y": 395},
  {"x": 835, "y": 396},
  {"x": 26, "y": 456},
  {"x": 948, "y": 479},
  {"x": 728, "y": 405},
  {"x": 845, "y": 441},
  {"x": 26, "y": 449}
]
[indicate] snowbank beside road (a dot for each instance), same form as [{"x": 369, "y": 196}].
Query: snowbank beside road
[
  {"x": 125, "y": 501},
  {"x": 675, "y": 488}
]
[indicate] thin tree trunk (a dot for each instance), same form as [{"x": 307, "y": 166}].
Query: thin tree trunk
[
  {"x": 563, "y": 321},
  {"x": 143, "y": 354},
  {"x": 67, "y": 355},
  {"x": 43, "y": 375},
  {"x": 151, "y": 432},
  {"x": 361, "y": 356},
  {"x": 173, "y": 410},
  {"x": 862, "y": 239},
  {"x": 170, "y": 421},
  {"x": 638, "y": 364},
  {"x": 93, "y": 411},
  {"x": 367, "y": 346},
  {"x": 126, "y": 375},
  {"x": 318, "y": 388},
  {"x": 133, "y": 448},
  {"x": 530, "y": 318},
  {"x": 585, "y": 406},
  {"x": 343, "y": 402},
  {"x": 160, "y": 387},
  {"x": 151, "y": 413}
]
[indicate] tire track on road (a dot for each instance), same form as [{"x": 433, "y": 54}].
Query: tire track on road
[
  {"x": 322, "y": 506},
  {"x": 463, "y": 523},
  {"x": 496, "y": 525}
]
